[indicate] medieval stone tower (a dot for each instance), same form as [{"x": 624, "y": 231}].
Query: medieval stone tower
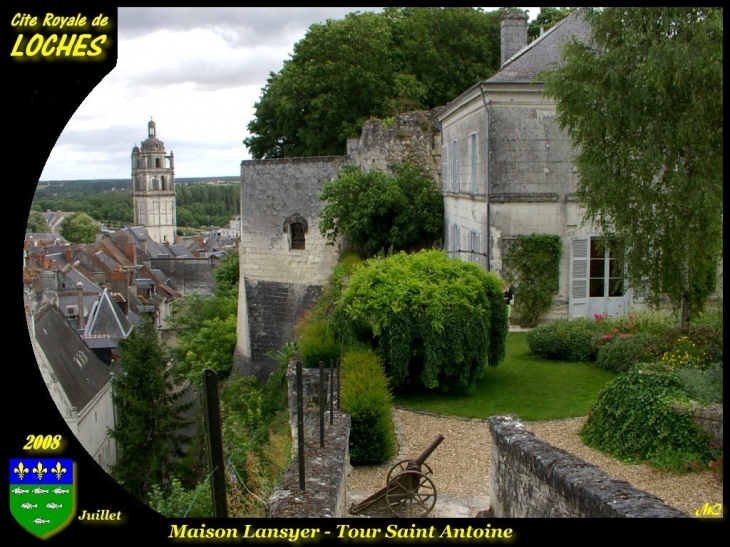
[{"x": 153, "y": 188}]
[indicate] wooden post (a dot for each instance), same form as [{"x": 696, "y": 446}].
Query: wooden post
[
  {"x": 215, "y": 443},
  {"x": 300, "y": 425}
]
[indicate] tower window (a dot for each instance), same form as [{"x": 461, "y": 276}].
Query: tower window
[{"x": 297, "y": 236}]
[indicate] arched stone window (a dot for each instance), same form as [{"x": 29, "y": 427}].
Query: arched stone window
[
  {"x": 297, "y": 227},
  {"x": 298, "y": 239},
  {"x": 157, "y": 162}
]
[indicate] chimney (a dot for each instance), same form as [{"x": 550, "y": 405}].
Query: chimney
[
  {"x": 130, "y": 251},
  {"x": 68, "y": 254},
  {"x": 80, "y": 288},
  {"x": 513, "y": 25}
]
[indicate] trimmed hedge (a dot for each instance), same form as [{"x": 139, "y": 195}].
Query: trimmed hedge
[
  {"x": 316, "y": 344},
  {"x": 576, "y": 340},
  {"x": 365, "y": 395}
]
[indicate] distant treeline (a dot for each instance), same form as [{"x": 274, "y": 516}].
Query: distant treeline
[{"x": 110, "y": 201}]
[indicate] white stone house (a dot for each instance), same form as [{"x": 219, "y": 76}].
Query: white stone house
[
  {"x": 507, "y": 172},
  {"x": 78, "y": 382}
]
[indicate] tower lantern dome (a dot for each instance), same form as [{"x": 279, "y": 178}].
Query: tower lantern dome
[{"x": 151, "y": 128}]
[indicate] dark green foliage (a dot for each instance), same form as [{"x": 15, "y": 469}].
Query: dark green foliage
[
  {"x": 316, "y": 343},
  {"x": 533, "y": 265},
  {"x": 276, "y": 394},
  {"x": 643, "y": 106},
  {"x": 150, "y": 413},
  {"x": 576, "y": 340},
  {"x": 227, "y": 274},
  {"x": 366, "y": 397},
  {"x": 179, "y": 502},
  {"x": 434, "y": 320},
  {"x": 78, "y": 228},
  {"x": 200, "y": 205},
  {"x": 546, "y": 19},
  {"x": 376, "y": 212},
  {"x": 634, "y": 419},
  {"x": 36, "y": 223},
  {"x": 370, "y": 64},
  {"x": 620, "y": 354},
  {"x": 704, "y": 386}
]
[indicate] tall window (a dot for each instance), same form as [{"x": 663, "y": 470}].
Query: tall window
[
  {"x": 473, "y": 142},
  {"x": 455, "y": 239},
  {"x": 606, "y": 271},
  {"x": 474, "y": 246},
  {"x": 455, "y": 166},
  {"x": 297, "y": 236},
  {"x": 445, "y": 167}
]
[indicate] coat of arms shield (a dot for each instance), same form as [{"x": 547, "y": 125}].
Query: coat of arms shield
[{"x": 42, "y": 494}]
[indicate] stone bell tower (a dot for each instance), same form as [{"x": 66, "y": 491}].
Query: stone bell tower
[{"x": 153, "y": 188}]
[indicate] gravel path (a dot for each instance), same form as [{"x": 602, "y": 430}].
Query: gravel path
[{"x": 461, "y": 462}]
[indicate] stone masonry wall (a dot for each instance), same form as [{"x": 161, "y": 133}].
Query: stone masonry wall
[
  {"x": 326, "y": 469},
  {"x": 187, "y": 275},
  {"x": 530, "y": 478},
  {"x": 413, "y": 137},
  {"x": 278, "y": 282}
]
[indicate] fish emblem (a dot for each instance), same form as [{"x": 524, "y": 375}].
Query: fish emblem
[
  {"x": 27, "y": 505},
  {"x": 60, "y": 491},
  {"x": 20, "y": 491},
  {"x": 53, "y": 505},
  {"x": 40, "y": 491},
  {"x": 41, "y": 521}
]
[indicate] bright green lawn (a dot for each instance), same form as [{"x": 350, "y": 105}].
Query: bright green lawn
[{"x": 531, "y": 387}]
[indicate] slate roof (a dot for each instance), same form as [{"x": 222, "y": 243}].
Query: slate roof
[
  {"x": 542, "y": 53},
  {"x": 106, "y": 318},
  {"x": 82, "y": 374}
]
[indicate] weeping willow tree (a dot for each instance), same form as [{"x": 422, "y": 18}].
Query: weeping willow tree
[{"x": 642, "y": 104}]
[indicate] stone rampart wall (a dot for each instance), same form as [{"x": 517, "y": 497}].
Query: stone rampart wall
[{"x": 530, "y": 478}]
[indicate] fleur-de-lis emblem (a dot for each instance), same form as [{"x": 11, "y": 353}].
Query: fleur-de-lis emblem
[
  {"x": 58, "y": 470},
  {"x": 39, "y": 470},
  {"x": 21, "y": 471}
]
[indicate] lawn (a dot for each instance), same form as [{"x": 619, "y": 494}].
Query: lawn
[{"x": 531, "y": 387}]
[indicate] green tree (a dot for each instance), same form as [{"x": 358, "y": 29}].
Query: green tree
[
  {"x": 78, "y": 228},
  {"x": 150, "y": 413},
  {"x": 370, "y": 64},
  {"x": 375, "y": 212},
  {"x": 435, "y": 321},
  {"x": 36, "y": 223},
  {"x": 642, "y": 104},
  {"x": 227, "y": 274},
  {"x": 546, "y": 19}
]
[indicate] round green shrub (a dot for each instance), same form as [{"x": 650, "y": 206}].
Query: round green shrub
[
  {"x": 576, "y": 340},
  {"x": 620, "y": 354},
  {"x": 704, "y": 386},
  {"x": 642, "y": 415},
  {"x": 434, "y": 320},
  {"x": 366, "y": 397}
]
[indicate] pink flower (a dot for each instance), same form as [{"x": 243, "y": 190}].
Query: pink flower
[
  {"x": 622, "y": 336},
  {"x": 598, "y": 317},
  {"x": 608, "y": 337}
]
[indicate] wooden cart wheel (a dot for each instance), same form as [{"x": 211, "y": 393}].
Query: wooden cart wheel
[
  {"x": 402, "y": 466},
  {"x": 410, "y": 494}
]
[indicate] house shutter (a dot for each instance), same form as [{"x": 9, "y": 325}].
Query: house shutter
[
  {"x": 578, "y": 301},
  {"x": 455, "y": 161},
  {"x": 456, "y": 240},
  {"x": 475, "y": 247},
  {"x": 473, "y": 163},
  {"x": 445, "y": 167}
]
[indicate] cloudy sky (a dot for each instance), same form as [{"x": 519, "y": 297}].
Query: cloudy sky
[{"x": 198, "y": 73}]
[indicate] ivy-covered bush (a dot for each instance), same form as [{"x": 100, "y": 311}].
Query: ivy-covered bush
[
  {"x": 366, "y": 397},
  {"x": 643, "y": 415},
  {"x": 433, "y": 320},
  {"x": 533, "y": 262},
  {"x": 576, "y": 340}
]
